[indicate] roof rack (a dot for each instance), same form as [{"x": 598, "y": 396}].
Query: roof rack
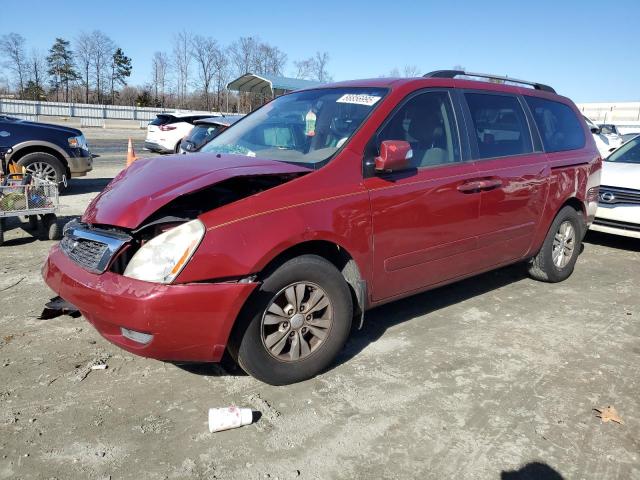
[{"x": 457, "y": 73}]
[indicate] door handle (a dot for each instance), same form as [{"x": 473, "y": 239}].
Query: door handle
[{"x": 475, "y": 186}]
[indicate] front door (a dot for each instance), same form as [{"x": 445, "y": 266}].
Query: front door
[{"x": 425, "y": 219}]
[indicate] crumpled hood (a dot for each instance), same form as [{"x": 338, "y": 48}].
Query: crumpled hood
[
  {"x": 149, "y": 184},
  {"x": 620, "y": 174}
]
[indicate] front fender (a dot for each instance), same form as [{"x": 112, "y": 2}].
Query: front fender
[{"x": 245, "y": 245}]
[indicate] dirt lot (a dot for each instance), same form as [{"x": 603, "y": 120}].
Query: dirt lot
[{"x": 494, "y": 377}]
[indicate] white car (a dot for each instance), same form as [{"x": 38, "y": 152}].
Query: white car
[
  {"x": 619, "y": 198},
  {"x": 606, "y": 142},
  {"x": 165, "y": 133}
]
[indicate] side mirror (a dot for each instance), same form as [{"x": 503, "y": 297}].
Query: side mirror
[
  {"x": 394, "y": 156},
  {"x": 596, "y": 130}
]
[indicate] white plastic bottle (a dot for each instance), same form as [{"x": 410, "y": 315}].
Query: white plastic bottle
[{"x": 230, "y": 417}]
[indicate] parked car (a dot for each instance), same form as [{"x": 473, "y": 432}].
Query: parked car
[
  {"x": 205, "y": 130},
  {"x": 165, "y": 133},
  {"x": 325, "y": 203},
  {"x": 619, "y": 205},
  {"x": 612, "y": 133},
  {"x": 606, "y": 141},
  {"x": 52, "y": 152}
]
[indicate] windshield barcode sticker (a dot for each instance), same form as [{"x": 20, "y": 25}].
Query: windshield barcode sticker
[{"x": 357, "y": 99}]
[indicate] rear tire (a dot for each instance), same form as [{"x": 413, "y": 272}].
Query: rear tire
[
  {"x": 296, "y": 323},
  {"x": 557, "y": 257}
]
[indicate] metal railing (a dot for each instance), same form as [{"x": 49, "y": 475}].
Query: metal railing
[{"x": 30, "y": 110}]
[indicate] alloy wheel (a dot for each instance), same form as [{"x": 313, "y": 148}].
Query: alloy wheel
[
  {"x": 42, "y": 170},
  {"x": 564, "y": 243},
  {"x": 297, "y": 321}
]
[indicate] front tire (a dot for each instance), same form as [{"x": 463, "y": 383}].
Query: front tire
[
  {"x": 298, "y": 321},
  {"x": 557, "y": 257},
  {"x": 43, "y": 165}
]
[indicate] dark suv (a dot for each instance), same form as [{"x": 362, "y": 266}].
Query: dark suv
[
  {"x": 50, "y": 151},
  {"x": 325, "y": 203}
]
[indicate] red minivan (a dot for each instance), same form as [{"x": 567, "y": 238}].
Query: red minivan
[{"x": 322, "y": 204}]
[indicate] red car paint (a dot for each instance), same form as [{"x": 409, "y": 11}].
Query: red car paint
[{"x": 408, "y": 235}]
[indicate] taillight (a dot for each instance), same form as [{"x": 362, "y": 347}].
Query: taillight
[{"x": 166, "y": 128}]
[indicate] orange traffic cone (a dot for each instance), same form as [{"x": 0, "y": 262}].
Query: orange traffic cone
[{"x": 131, "y": 155}]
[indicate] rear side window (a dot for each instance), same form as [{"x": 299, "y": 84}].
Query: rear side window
[
  {"x": 558, "y": 125},
  {"x": 161, "y": 120},
  {"x": 500, "y": 125}
]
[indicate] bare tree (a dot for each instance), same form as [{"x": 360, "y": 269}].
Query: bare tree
[
  {"x": 314, "y": 68},
  {"x": 37, "y": 73},
  {"x": 159, "y": 67},
  {"x": 102, "y": 53},
  {"x": 204, "y": 51},
  {"x": 182, "y": 63},
  {"x": 304, "y": 69},
  {"x": 321, "y": 60},
  {"x": 222, "y": 72},
  {"x": 410, "y": 71},
  {"x": 84, "y": 55},
  {"x": 128, "y": 95},
  {"x": 12, "y": 47},
  {"x": 243, "y": 54}
]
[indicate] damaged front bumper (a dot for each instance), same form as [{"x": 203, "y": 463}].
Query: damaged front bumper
[{"x": 182, "y": 322}]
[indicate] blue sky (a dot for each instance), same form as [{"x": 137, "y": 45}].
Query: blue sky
[{"x": 586, "y": 49}]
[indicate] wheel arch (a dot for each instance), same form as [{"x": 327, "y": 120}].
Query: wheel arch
[
  {"x": 26, "y": 148},
  {"x": 335, "y": 254}
]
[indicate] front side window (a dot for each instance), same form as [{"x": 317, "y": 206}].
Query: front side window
[
  {"x": 628, "y": 153},
  {"x": 558, "y": 125},
  {"x": 500, "y": 125},
  {"x": 305, "y": 127},
  {"x": 427, "y": 122}
]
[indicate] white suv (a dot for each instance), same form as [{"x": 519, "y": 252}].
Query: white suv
[{"x": 165, "y": 133}]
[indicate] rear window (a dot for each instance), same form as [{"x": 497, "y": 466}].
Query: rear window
[
  {"x": 161, "y": 120},
  {"x": 558, "y": 125},
  {"x": 500, "y": 125}
]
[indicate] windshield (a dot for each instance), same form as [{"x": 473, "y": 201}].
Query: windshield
[
  {"x": 627, "y": 153},
  {"x": 305, "y": 127},
  {"x": 201, "y": 133},
  {"x": 608, "y": 129}
]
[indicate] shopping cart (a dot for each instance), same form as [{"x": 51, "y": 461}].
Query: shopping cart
[{"x": 25, "y": 195}]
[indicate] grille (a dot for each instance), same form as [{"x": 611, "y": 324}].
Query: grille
[
  {"x": 91, "y": 248},
  {"x": 615, "y": 195},
  {"x": 85, "y": 253}
]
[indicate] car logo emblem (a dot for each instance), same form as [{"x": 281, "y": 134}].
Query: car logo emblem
[{"x": 607, "y": 197}]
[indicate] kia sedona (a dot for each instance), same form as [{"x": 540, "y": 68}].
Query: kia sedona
[{"x": 322, "y": 204}]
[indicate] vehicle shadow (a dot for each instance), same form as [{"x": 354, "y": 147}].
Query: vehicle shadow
[
  {"x": 378, "y": 320},
  {"x": 532, "y": 471},
  {"x": 78, "y": 186},
  {"x": 612, "y": 241}
]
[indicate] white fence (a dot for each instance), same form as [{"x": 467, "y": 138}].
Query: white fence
[
  {"x": 622, "y": 114},
  {"x": 91, "y": 114}
]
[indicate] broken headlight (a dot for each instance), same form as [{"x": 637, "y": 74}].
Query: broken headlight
[{"x": 162, "y": 258}]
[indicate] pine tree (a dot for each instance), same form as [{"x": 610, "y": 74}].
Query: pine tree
[
  {"x": 61, "y": 67},
  {"x": 120, "y": 71}
]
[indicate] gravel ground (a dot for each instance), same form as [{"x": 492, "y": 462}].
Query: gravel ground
[{"x": 493, "y": 377}]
